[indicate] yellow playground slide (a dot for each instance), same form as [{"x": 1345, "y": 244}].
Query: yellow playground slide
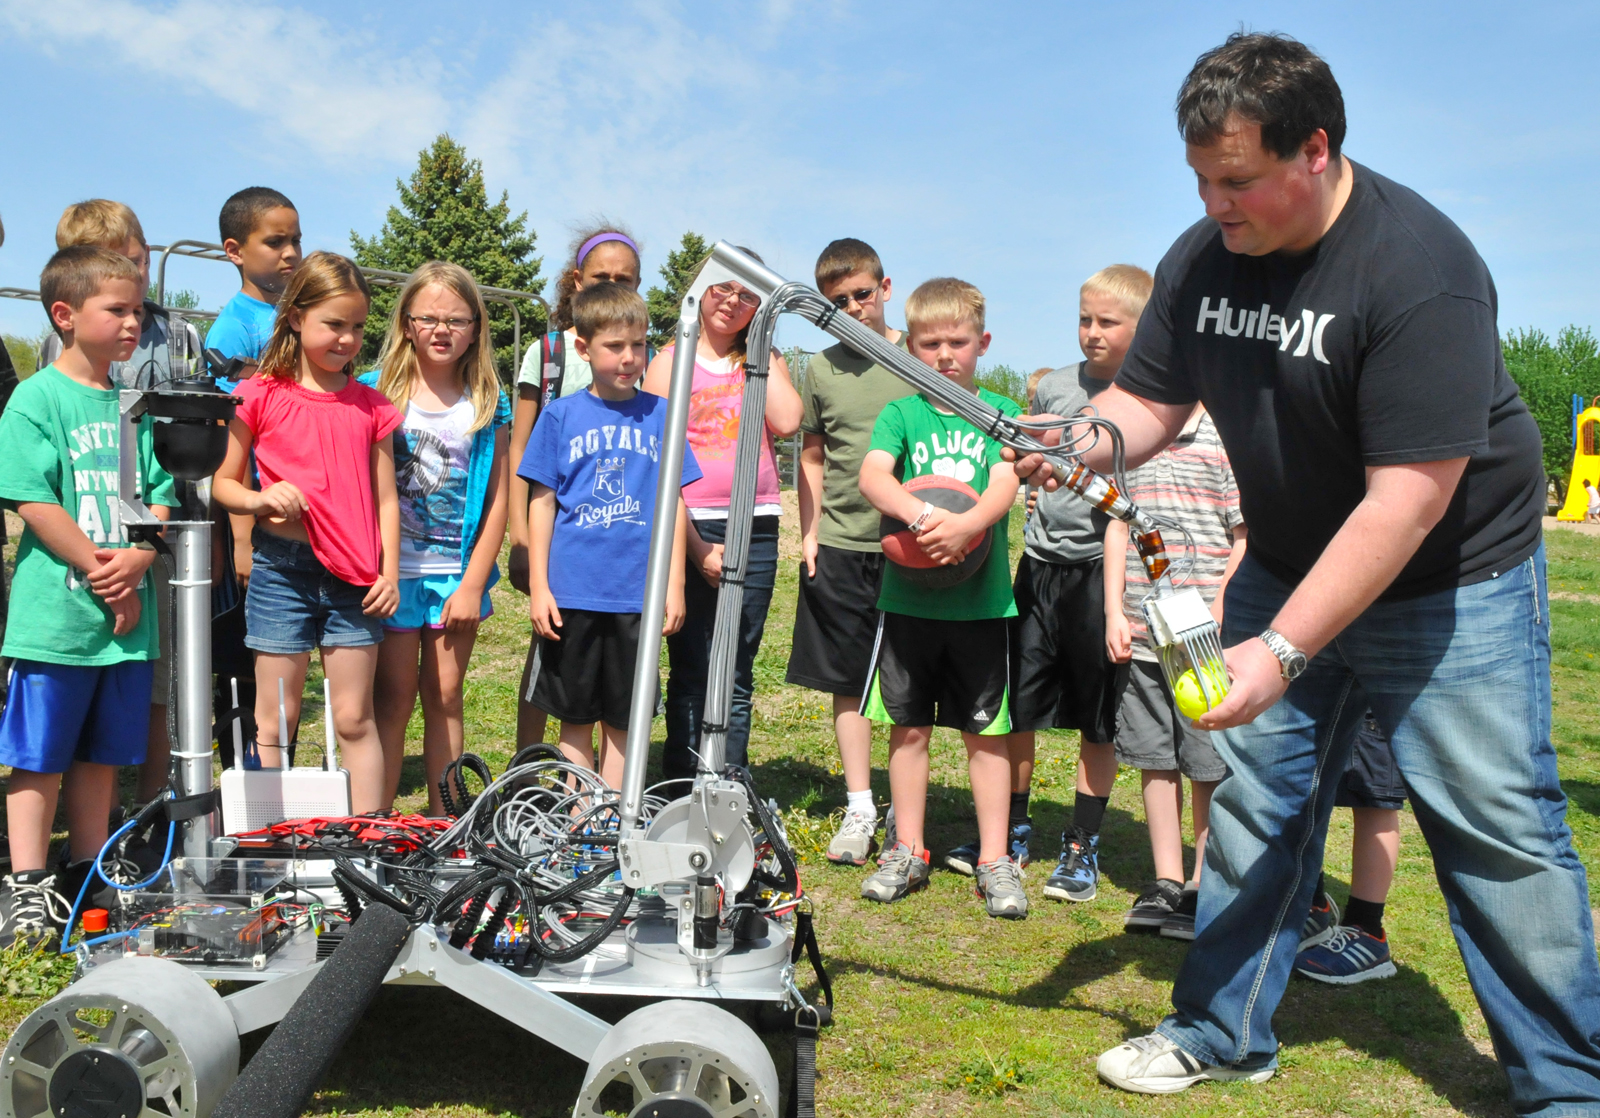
[{"x": 1585, "y": 464}]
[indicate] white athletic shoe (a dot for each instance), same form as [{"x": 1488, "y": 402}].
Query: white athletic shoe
[
  {"x": 852, "y": 846},
  {"x": 1153, "y": 1065}
]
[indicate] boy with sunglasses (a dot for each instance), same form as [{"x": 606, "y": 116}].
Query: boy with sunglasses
[{"x": 841, "y": 565}]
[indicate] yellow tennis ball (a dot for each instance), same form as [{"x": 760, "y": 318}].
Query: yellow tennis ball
[{"x": 1190, "y": 699}]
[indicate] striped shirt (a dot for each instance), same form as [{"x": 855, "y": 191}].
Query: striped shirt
[{"x": 1189, "y": 483}]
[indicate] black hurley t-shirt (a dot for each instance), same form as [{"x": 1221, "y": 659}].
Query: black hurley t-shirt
[{"x": 1377, "y": 347}]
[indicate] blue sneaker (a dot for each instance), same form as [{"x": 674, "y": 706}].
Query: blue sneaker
[
  {"x": 964, "y": 858},
  {"x": 1348, "y": 956},
  {"x": 1077, "y": 875}
]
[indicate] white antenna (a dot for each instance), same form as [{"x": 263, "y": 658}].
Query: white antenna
[
  {"x": 238, "y": 738},
  {"x": 327, "y": 725},
  {"x": 283, "y": 729}
]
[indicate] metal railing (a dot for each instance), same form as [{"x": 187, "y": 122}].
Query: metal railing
[{"x": 378, "y": 277}]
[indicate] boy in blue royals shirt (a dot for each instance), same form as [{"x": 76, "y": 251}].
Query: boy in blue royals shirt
[{"x": 592, "y": 465}]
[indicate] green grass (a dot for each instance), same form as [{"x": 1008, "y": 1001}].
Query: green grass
[{"x": 944, "y": 1011}]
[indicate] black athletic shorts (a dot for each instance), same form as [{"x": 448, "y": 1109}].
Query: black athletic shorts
[
  {"x": 836, "y": 621},
  {"x": 940, "y": 673},
  {"x": 1063, "y": 679},
  {"x": 587, "y": 675},
  {"x": 1372, "y": 779}
]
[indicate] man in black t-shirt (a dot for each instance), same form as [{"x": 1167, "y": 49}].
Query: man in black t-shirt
[{"x": 1341, "y": 332}]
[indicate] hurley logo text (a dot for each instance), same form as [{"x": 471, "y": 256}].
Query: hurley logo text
[{"x": 1304, "y": 331}]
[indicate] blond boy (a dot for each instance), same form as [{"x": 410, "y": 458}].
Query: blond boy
[
  {"x": 169, "y": 349},
  {"x": 941, "y": 655}
]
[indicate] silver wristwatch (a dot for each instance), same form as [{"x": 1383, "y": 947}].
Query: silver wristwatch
[{"x": 1292, "y": 659}]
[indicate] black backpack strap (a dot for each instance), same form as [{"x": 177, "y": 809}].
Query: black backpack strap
[{"x": 554, "y": 345}]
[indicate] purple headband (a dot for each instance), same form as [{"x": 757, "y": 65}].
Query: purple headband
[{"x": 601, "y": 238}]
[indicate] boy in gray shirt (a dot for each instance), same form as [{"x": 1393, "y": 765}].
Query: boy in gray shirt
[{"x": 1062, "y": 677}]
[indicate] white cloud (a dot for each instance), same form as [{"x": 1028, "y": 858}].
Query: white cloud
[{"x": 312, "y": 81}]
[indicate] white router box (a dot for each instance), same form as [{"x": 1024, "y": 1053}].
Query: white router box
[
  {"x": 252, "y": 800},
  {"x": 256, "y": 798}
]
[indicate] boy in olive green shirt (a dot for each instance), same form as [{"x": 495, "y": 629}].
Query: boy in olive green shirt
[
  {"x": 841, "y": 566},
  {"x": 942, "y": 655},
  {"x": 82, "y": 632}
]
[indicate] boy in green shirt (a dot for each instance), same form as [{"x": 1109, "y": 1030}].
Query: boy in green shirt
[
  {"x": 82, "y": 633},
  {"x": 942, "y": 656},
  {"x": 841, "y": 566}
]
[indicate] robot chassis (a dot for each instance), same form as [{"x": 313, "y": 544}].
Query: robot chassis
[{"x": 137, "y": 1035}]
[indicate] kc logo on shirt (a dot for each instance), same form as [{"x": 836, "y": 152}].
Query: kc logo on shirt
[{"x": 1303, "y": 332}]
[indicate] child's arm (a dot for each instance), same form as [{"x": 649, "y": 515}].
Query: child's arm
[
  {"x": 1119, "y": 632},
  {"x": 542, "y": 608},
  {"x": 809, "y": 487},
  {"x": 282, "y": 500},
  {"x": 460, "y": 612},
  {"x": 784, "y": 409},
  {"x": 122, "y": 569},
  {"x": 1235, "y": 557},
  {"x": 945, "y": 535},
  {"x": 383, "y": 597},
  {"x": 55, "y": 528},
  {"x": 677, "y": 610},
  {"x": 522, "y": 420}
]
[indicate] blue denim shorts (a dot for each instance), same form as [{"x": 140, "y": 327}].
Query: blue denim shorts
[{"x": 294, "y": 604}]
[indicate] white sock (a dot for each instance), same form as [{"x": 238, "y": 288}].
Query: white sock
[{"x": 861, "y": 804}]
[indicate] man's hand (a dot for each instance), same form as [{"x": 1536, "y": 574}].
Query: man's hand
[
  {"x": 945, "y": 535},
  {"x": 124, "y": 614},
  {"x": 459, "y": 613},
  {"x": 382, "y": 599},
  {"x": 282, "y": 501},
  {"x": 1035, "y": 469},
  {"x": 544, "y": 613},
  {"x": 120, "y": 572},
  {"x": 517, "y": 567},
  {"x": 677, "y": 611},
  {"x": 1119, "y": 637},
  {"x": 1255, "y": 683},
  {"x": 808, "y": 553}
]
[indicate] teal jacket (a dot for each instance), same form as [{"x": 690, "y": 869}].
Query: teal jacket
[{"x": 480, "y": 463}]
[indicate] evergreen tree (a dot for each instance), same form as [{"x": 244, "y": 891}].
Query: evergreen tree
[
  {"x": 445, "y": 214},
  {"x": 665, "y": 303}
]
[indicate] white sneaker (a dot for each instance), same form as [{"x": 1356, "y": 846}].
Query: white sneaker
[
  {"x": 1153, "y": 1065},
  {"x": 852, "y": 846}
]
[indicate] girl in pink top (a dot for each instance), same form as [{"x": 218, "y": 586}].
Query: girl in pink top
[
  {"x": 325, "y": 571},
  {"x": 714, "y": 410}
]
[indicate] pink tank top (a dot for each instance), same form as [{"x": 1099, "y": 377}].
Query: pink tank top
[{"x": 714, "y": 407}]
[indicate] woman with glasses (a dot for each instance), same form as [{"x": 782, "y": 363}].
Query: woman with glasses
[
  {"x": 450, "y": 464},
  {"x": 714, "y": 410}
]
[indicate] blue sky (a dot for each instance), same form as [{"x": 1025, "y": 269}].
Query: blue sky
[{"x": 1020, "y": 146}]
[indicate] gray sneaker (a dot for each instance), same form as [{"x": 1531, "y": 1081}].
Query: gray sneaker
[
  {"x": 1321, "y": 922},
  {"x": 852, "y": 846},
  {"x": 1000, "y": 886},
  {"x": 900, "y": 871}
]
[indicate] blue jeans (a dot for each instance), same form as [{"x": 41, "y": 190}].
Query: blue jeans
[
  {"x": 1460, "y": 680},
  {"x": 689, "y": 650}
]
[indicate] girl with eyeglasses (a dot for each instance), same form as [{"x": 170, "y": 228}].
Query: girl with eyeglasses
[
  {"x": 714, "y": 409},
  {"x": 552, "y": 369},
  {"x": 451, "y": 471}
]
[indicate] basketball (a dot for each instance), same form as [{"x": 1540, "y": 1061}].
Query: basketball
[{"x": 900, "y": 545}]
